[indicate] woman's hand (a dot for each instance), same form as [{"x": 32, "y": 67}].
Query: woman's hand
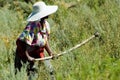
[
  {"x": 53, "y": 55},
  {"x": 29, "y": 57}
]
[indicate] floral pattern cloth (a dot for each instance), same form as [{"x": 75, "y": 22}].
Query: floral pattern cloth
[{"x": 34, "y": 34}]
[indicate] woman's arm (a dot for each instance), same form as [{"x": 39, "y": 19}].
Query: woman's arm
[
  {"x": 48, "y": 49},
  {"x": 27, "y": 54}
]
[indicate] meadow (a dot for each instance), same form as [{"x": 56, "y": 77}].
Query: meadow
[{"x": 74, "y": 22}]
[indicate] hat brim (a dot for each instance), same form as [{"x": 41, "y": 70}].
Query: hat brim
[{"x": 37, "y": 16}]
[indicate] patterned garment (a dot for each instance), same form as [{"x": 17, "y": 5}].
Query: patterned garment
[{"x": 34, "y": 34}]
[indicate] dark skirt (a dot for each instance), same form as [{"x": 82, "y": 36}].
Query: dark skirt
[{"x": 20, "y": 56}]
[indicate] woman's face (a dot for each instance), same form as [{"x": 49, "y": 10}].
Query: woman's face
[
  {"x": 46, "y": 17},
  {"x": 43, "y": 19}
]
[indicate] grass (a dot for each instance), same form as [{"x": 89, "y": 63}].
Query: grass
[{"x": 96, "y": 60}]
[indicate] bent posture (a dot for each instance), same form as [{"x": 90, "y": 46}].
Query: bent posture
[{"x": 34, "y": 38}]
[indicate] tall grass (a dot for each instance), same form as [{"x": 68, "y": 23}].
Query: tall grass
[{"x": 97, "y": 60}]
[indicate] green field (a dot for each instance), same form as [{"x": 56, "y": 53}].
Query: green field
[{"x": 75, "y": 21}]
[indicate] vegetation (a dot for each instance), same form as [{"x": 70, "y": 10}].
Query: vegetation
[{"x": 75, "y": 21}]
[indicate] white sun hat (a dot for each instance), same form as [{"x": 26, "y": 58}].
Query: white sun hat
[{"x": 40, "y": 10}]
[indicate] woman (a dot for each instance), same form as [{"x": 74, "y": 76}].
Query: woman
[{"x": 34, "y": 38}]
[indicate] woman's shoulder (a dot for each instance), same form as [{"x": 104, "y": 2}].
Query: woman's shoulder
[
  {"x": 47, "y": 23},
  {"x": 30, "y": 25},
  {"x": 47, "y": 27}
]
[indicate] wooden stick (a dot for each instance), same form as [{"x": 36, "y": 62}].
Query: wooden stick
[{"x": 71, "y": 49}]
